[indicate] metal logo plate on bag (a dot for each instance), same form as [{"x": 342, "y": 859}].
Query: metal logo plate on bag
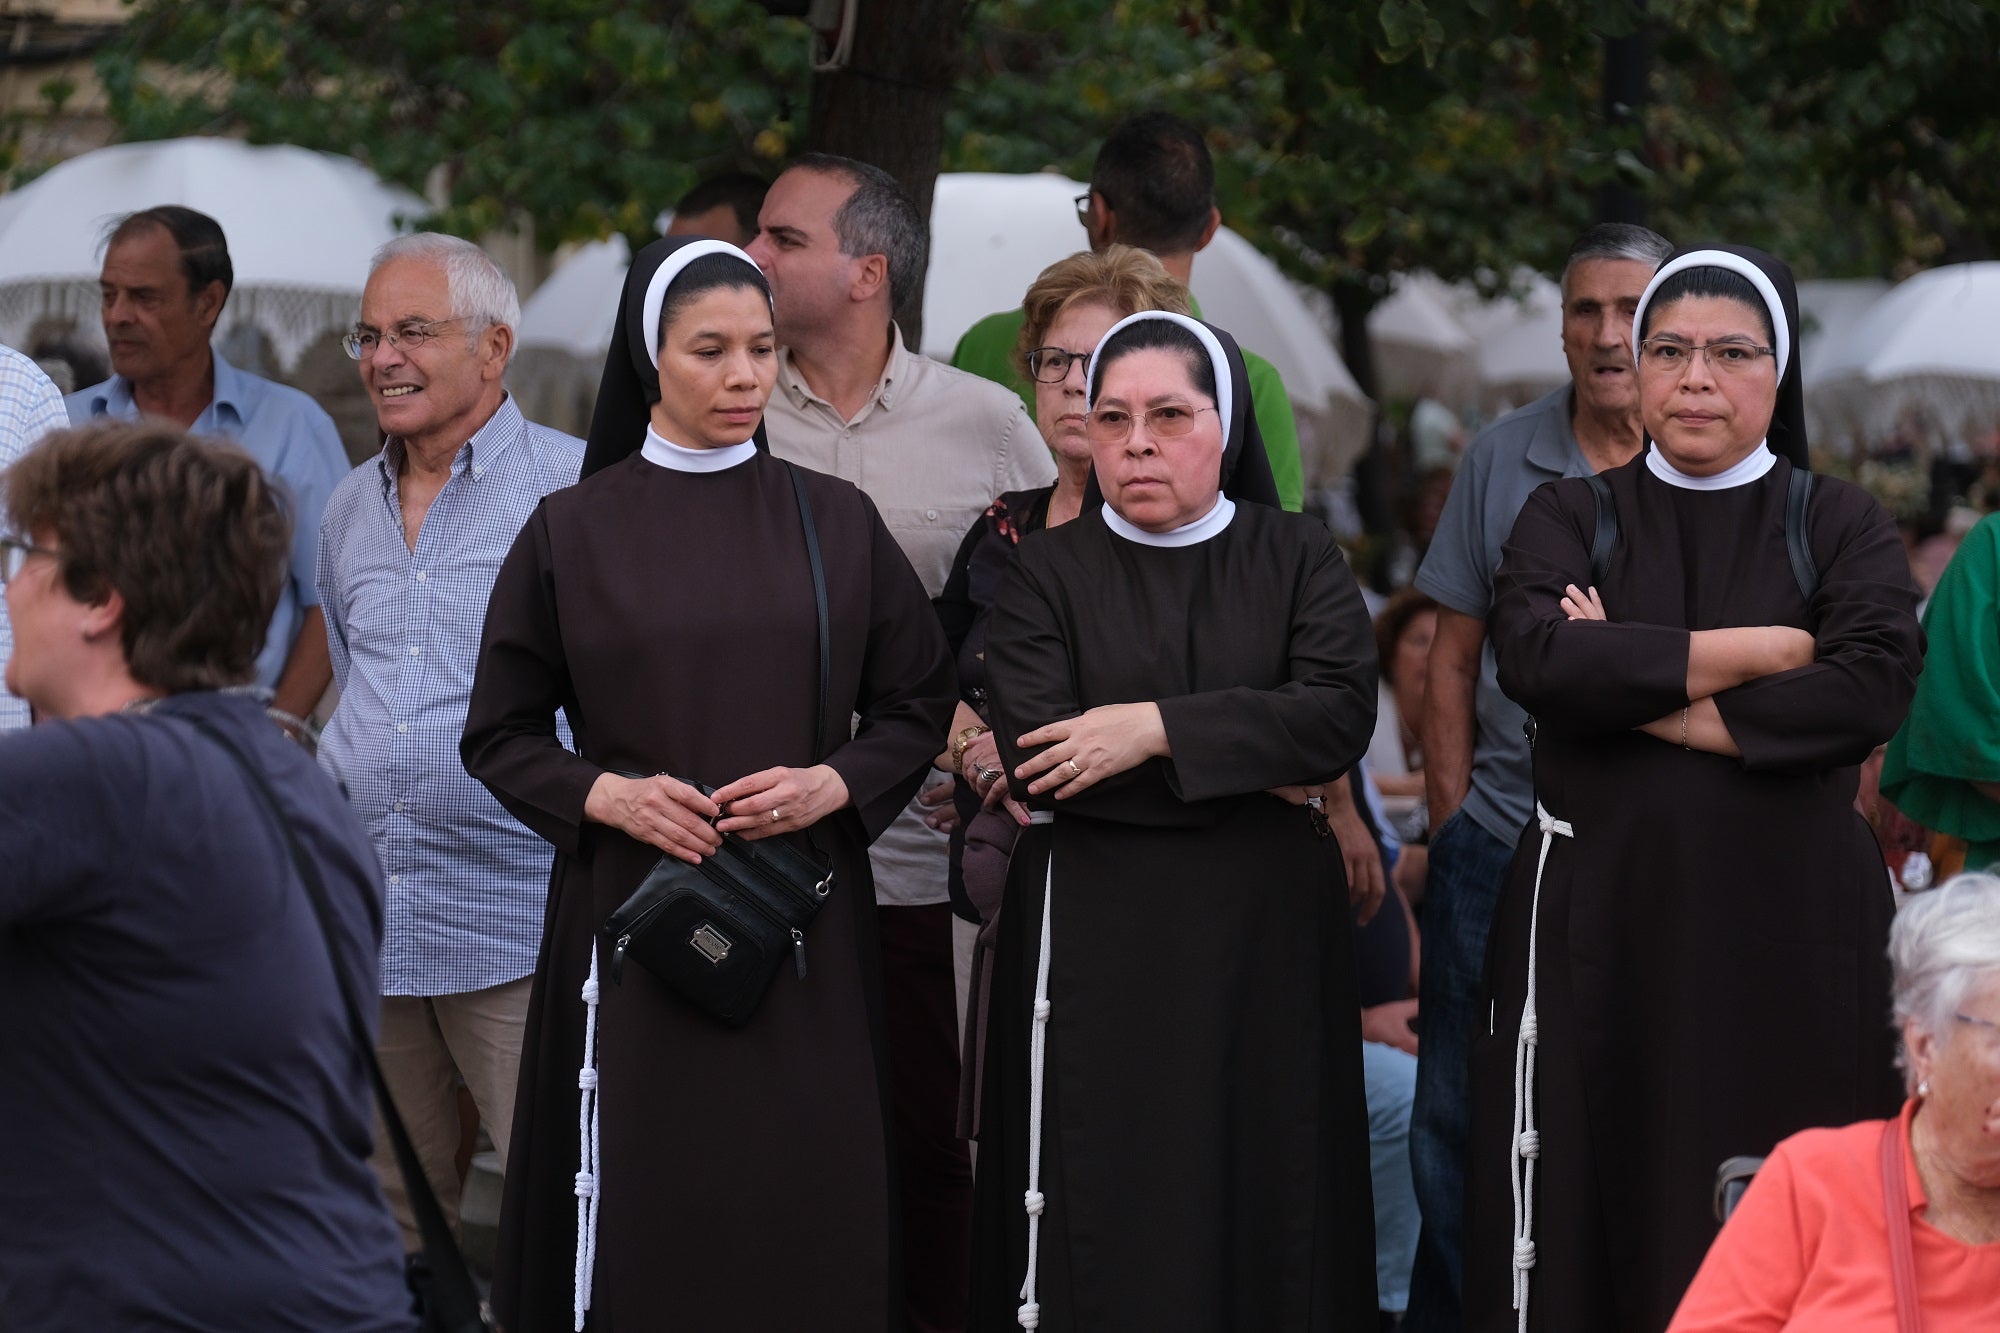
[{"x": 710, "y": 943}]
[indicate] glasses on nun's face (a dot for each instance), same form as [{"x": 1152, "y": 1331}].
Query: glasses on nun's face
[
  {"x": 1725, "y": 356},
  {"x": 361, "y": 341},
  {"x": 1113, "y": 426},
  {"x": 1051, "y": 365}
]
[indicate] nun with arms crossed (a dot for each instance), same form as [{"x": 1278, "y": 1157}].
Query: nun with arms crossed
[
  {"x": 1687, "y": 962},
  {"x": 1174, "y": 1063}
]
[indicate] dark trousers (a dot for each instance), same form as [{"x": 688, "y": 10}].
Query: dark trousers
[
  {"x": 1468, "y": 867},
  {"x": 933, "y": 1164}
]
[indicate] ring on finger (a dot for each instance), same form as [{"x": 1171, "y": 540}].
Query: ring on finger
[
  {"x": 1074, "y": 771},
  {"x": 775, "y": 816},
  {"x": 989, "y": 776}
]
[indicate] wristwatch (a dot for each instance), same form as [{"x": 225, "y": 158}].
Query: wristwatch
[{"x": 963, "y": 739}]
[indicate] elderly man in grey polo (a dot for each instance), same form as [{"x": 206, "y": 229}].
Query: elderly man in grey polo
[
  {"x": 1477, "y": 770},
  {"x": 410, "y": 546},
  {"x": 932, "y": 446}
]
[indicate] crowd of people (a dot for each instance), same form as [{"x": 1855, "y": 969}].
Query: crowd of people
[{"x": 1127, "y": 921}]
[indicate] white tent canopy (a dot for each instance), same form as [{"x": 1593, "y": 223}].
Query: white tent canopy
[
  {"x": 301, "y": 227},
  {"x": 1923, "y": 355}
]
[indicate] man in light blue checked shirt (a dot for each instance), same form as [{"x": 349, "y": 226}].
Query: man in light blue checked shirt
[
  {"x": 30, "y": 407},
  {"x": 165, "y": 278},
  {"x": 407, "y": 557}
]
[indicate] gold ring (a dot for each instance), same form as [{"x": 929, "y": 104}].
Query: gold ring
[
  {"x": 1074, "y": 771},
  {"x": 775, "y": 816}
]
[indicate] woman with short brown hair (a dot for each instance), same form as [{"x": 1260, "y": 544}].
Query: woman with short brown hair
[{"x": 177, "y": 1059}]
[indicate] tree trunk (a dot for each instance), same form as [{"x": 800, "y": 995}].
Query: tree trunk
[
  {"x": 887, "y": 107},
  {"x": 1375, "y": 471}
]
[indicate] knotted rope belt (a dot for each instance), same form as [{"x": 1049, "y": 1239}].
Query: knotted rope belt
[{"x": 1527, "y": 1140}]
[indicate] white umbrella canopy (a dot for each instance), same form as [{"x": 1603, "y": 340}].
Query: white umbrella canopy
[
  {"x": 1517, "y": 339},
  {"x": 301, "y": 227},
  {"x": 574, "y": 311},
  {"x": 992, "y": 235},
  {"x": 1420, "y": 344},
  {"x": 1923, "y": 354}
]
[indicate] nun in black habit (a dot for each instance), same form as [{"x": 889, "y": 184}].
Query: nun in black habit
[
  {"x": 1169, "y": 674},
  {"x": 717, "y": 1178},
  {"x": 1687, "y": 963}
]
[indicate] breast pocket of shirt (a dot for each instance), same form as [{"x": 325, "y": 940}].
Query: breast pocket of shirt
[{"x": 930, "y": 534}]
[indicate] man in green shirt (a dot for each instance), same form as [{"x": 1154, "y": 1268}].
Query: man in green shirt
[{"x": 1153, "y": 186}]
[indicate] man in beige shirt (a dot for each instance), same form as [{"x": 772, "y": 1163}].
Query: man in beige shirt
[{"x": 932, "y": 446}]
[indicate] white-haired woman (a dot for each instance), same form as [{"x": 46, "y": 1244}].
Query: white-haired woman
[{"x": 1816, "y": 1242}]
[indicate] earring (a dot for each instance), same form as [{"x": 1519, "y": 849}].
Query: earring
[{"x": 1923, "y": 1089}]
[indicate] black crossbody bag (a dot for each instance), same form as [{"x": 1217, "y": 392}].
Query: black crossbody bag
[
  {"x": 718, "y": 932},
  {"x": 446, "y": 1296}
]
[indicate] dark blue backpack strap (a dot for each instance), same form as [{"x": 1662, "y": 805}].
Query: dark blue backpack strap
[
  {"x": 1606, "y": 535},
  {"x": 1798, "y": 540}
]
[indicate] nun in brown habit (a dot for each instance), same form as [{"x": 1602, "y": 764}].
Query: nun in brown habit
[
  {"x": 740, "y": 1178},
  {"x": 1173, "y": 1066},
  {"x": 1687, "y": 963}
]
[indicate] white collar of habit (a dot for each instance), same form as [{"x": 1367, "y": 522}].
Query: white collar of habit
[
  {"x": 665, "y": 453},
  {"x": 1752, "y": 467},
  {"x": 1188, "y": 534}
]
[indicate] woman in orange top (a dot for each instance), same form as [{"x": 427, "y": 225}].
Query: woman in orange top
[{"x": 1809, "y": 1249}]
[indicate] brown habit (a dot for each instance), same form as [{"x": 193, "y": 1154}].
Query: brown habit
[
  {"x": 1205, "y": 1138},
  {"x": 1711, "y": 972},
  {"x": 670, "y": 615}
]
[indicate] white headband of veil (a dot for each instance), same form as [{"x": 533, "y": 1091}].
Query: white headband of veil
[
  {"x": 1736, "y": 264},
  {"x": 1223, "y": 385},
  {"x": 669, "y": 269}
]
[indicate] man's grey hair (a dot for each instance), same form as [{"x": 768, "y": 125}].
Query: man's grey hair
[
  {"x": 879, "y": 218},
  {"x": 1616, "y": 240},
  {"x": 481, "y": 292},
  {"x": 1943, "y": 942}
]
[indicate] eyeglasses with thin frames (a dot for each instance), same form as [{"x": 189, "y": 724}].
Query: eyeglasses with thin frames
[
  {"x": 1725, "y": 356},
  {"x": 1113, "y": 426},
  {"x": 14, "y": 553},
  {"x": 361, "y": 341},
  {"x": 1050, "y": 365}
]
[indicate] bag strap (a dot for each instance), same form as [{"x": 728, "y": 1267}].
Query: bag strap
[
  {"x": 1896, "y": 1212},
  {"x": 819, "y": 606},
  {"x": 1606, "y": 534},
  {"x": 1798, "y": 539},
  {"x": 454, "y": 1298},
  {"x": 1798, "y": 542}
]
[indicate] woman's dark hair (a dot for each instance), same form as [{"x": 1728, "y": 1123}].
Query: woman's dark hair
[
  {"x": 709, "y": 273},
  {"x": 188, "y": 533},
  {"x": 1163, "y": 334},
  {"x": 1708, "y": 280},
  {"x": 1404, "y": 606}
]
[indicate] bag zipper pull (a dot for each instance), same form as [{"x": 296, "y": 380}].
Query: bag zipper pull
[
  {"x": 799, "y": 952},
  {"x": 618, "y": 958}
]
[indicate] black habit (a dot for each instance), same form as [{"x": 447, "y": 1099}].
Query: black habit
[
  {"x": 746, "y": 1179},
  {"x": 1711, "y": 974},
  {"x": 1204, "y": 1134}
]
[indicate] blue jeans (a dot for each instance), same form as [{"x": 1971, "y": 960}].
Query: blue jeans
[
  {"x": 1391, "y": 1076},
  {"x": 1468, "y": 866}
]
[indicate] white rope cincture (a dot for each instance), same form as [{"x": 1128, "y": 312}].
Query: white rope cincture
[
  {"x": 1527, "y": 1140},
  {"x": 1030, "y": 1314},
  {"x": 587, "y": 1178}
]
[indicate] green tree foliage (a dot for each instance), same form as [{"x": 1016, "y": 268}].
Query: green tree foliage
[{"x": 585, "y": 116}]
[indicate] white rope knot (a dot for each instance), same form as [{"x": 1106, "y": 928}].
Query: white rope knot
[
  {"x": 586, "y": 1079},
  {"x": 590, "y": 989},
  {"x": 586, "y": 1185},
  {"x": 1030, "y": 1315},
  {"x": 1528, "y": 1139},
  {"x": 588, "y": 1152}
]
